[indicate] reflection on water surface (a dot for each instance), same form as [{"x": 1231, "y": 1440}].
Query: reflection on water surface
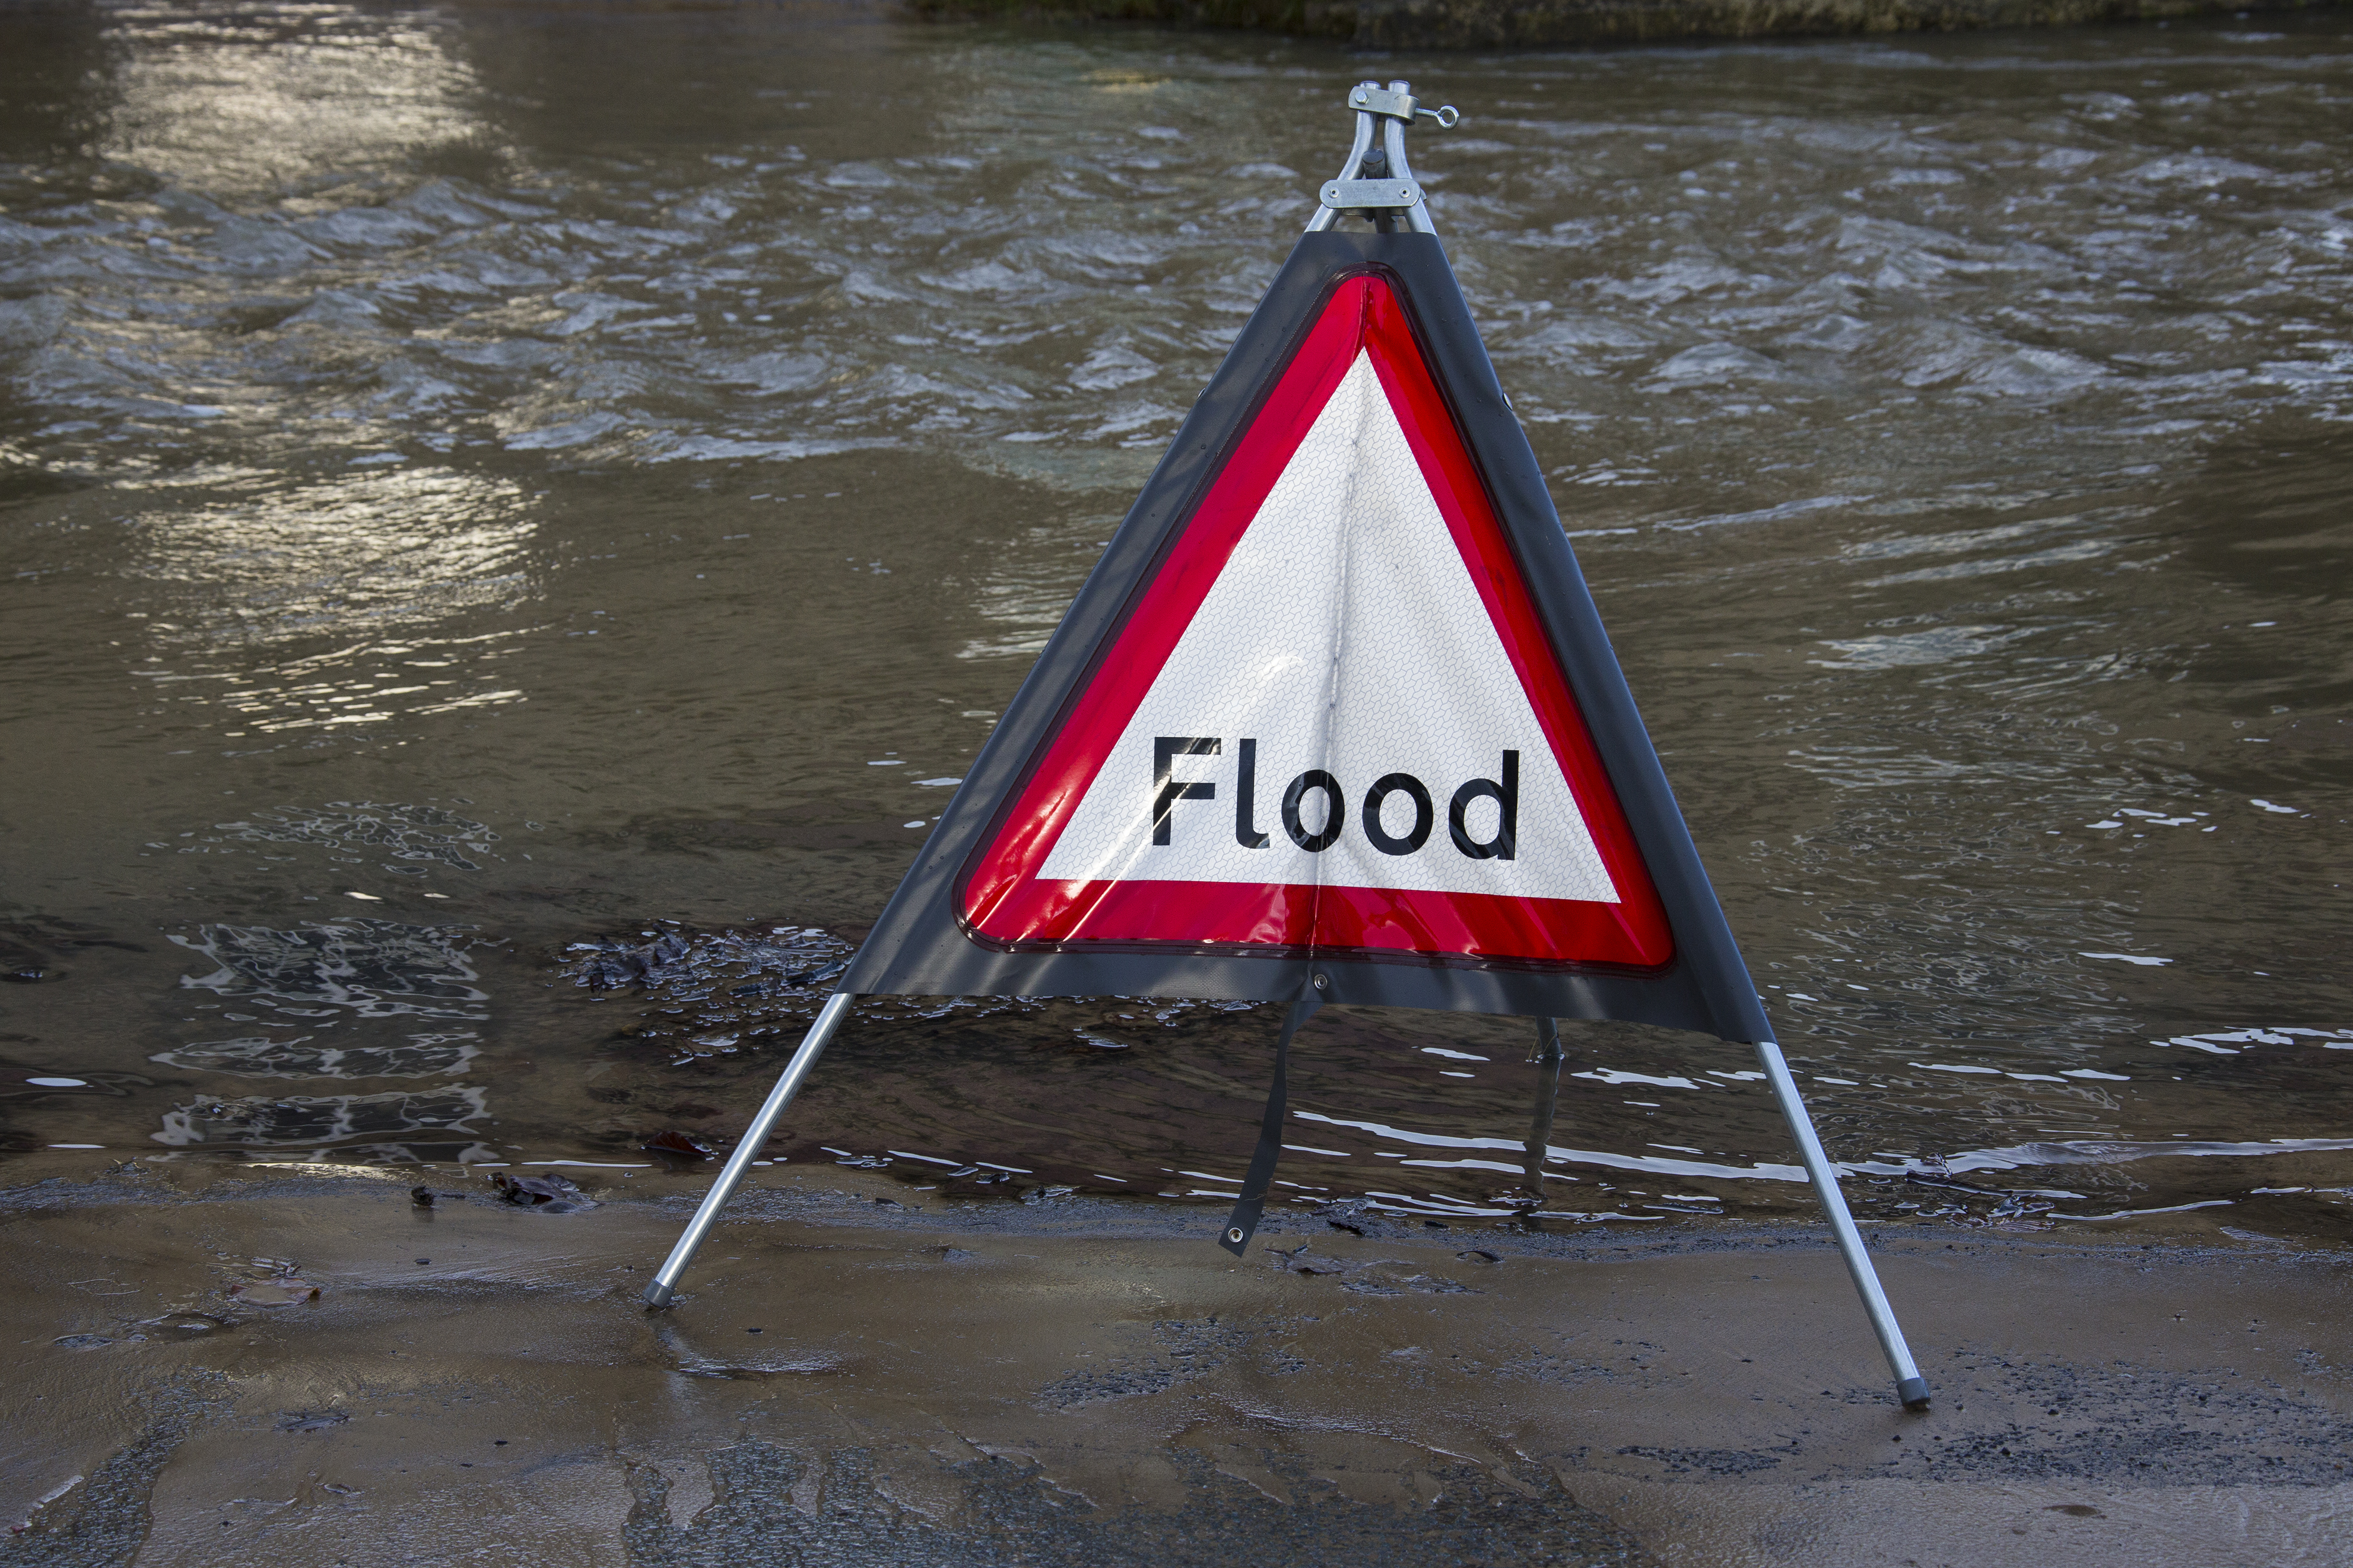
[{"x": 498, "y": 499}]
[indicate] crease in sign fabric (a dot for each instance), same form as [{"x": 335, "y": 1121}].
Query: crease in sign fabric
[{"x": 1334, "y": 720}]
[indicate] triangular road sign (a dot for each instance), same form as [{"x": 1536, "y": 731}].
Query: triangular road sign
[
  {"x": 1333, "y": 720},
  {"x": 1334, "y": 716}
]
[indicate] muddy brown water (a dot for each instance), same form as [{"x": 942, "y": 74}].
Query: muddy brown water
[{"x": 496, "y": 499}]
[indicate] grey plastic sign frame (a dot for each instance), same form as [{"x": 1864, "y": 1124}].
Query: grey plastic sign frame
[{"x": 922, "y": 946}]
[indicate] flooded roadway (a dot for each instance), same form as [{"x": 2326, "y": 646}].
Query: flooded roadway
[{"x": 515, "y": 522}]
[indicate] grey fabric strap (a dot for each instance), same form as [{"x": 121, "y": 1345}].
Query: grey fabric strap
[{"x": 1243, "y": 1222}]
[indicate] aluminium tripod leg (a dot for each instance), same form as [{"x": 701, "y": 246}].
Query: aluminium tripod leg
[
  {"x": 812, "y": 1045},
  {"x": 1546, "y": 1061},
  {"x": 1910, "y": 1386}
]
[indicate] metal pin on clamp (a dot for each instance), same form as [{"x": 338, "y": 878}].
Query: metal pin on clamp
[{"x": 1377, "y": 182}]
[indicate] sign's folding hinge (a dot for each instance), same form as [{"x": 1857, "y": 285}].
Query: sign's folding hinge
[
  {"x": 1376, "y": 181},
  {"x": 1399, "y": 104}
]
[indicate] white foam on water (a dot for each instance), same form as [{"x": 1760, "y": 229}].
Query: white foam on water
[{"x": 2078, "y": 1152}]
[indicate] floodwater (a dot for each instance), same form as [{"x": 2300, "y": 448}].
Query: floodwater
[{"x": 516, "y": 519}]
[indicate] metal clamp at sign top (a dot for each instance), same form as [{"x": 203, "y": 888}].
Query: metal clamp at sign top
[{"x": 1387, "y": 192}]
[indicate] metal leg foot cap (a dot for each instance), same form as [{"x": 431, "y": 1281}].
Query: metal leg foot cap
[
  {"x": 659, "y": 1295},
  {"x": 1914, "y": 1393}
]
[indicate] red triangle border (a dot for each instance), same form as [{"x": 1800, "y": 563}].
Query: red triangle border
[{"x": 1003, "y": 905}]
